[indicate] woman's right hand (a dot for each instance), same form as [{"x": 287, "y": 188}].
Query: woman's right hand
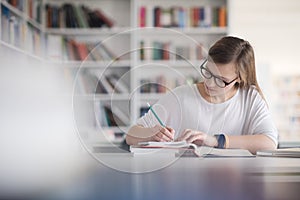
[{"x": 162, "y": 134}]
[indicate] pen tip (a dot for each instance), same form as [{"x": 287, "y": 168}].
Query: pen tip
[{"x": 148, "y": 104}]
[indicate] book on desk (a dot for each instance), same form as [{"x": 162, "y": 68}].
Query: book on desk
[
  {"x": 286, "y": 152},
  {"x": 184, "y": 149}
]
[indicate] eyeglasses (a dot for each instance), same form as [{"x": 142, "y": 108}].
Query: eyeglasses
[{"x": 208, "y": 75}]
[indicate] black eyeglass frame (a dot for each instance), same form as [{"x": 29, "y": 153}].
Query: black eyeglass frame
[{"x": 215, "y": 77}]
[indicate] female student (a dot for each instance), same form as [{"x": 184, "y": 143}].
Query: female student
[{"x": 226, "y": 110}]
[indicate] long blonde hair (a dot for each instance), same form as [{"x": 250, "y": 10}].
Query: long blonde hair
[{"x": 232, "y": 49}]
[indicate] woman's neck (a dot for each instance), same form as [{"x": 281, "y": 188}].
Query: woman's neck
[{"x": 218, "y": 98}]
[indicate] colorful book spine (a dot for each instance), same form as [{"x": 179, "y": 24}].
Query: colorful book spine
[
  {"x": 142, "y": 16},
  {"x": 177, "y": 16}
]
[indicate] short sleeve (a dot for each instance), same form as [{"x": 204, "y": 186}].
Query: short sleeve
[{"x": 261, "y": 120}]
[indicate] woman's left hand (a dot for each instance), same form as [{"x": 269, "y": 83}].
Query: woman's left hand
[{"x": 198, "y": 138}]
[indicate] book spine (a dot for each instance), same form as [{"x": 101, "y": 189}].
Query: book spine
[
  {"x": 107, "y": 21},
  {"x": 157, "y": 17},
  {"x": 142, "y": 17},
  {"x": 222, "y": 17}
]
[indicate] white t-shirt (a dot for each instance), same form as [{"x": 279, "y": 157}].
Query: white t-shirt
[{"x": 246, "y": 113}]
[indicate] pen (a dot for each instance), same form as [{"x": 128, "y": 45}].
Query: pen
[{"x": 161, "y": 123}]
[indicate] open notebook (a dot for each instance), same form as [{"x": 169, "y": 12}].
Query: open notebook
[
  {"x": 287, "y": 152},
  {"x": 183, "y": 148}
]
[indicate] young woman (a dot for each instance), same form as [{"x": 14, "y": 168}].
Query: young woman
[{"x": 226, "y": 110}]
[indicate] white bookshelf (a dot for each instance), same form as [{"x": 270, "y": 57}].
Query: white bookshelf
[
  {"x": 123, "y": 39},
  {"x": 19, "y": 31},
  {"x": 287, "y": 108}
]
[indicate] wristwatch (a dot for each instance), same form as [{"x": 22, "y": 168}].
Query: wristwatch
[{"x": 221, "y": 140}]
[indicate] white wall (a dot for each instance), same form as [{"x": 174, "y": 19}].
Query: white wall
[{"x": 273, "y": 28}]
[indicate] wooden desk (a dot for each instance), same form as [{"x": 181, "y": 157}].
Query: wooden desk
[{"x": 121, "y": 176}]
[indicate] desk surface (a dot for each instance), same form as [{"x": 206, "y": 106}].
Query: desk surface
[{"x": 122, "y": 176}]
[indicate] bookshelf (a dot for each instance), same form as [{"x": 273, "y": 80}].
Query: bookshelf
[
  {"x": 287, "y": 108},
  {"x": 21, "y": 27},
  {"x": 142, "y": 49},
  {"x": 173, "y": 38}
]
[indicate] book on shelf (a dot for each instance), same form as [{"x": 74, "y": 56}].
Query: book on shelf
[
  {"x": 79, "y": 14},
  {"x": 182, "y": 148},
  {"x": 70, "y": 15},
  {"x": 162, "y": 83},
  {"x": 89, "y": 83},
  {"x": 100, "y": 115},
  {"x": 19, "y": 34},
  {"x": 107, "y": 21},
  {"x": 81, "y": 51},
  {"x": 117, "y": 83},
  {"x": 142, "y": 17},
  {"x": 54, "y": 49},
  {"x": 53, "y": 16},
  {"x": 12, "y": 28},
  {"x": 34, "y": 9},
  {"x": 116, "y": 118},
  {"x": 18, "y": 4},
  {"x": 107, "y": 86},
  {"x": 171, "y": 51},
  {"x": 30, "y": 7}
]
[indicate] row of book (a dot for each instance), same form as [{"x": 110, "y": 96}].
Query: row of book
[
  {"x": 170, "y": 51},
  {"x": 68, "y": 49},
  {"x": 75, "y": 16},
  {"x": 31, "y": 7},
  {"x": 18, "y": 33},
  {"x": 108, "y": 116},
  {"x": 87, "y": 51},
  {"x": 203, "y": 16},
  {"x": 162, "y": 84},
  {"x": 88, "y": 82}
]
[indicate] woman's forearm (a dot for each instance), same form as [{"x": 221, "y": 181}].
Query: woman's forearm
[{"x": 251, "y": 142}]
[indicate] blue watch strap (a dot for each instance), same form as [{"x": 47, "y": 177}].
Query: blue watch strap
[{"x": 221, "y": 140}]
